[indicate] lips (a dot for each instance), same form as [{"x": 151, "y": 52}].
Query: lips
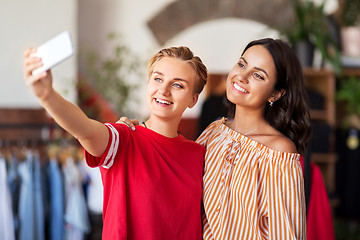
[{"x": 239, "y": 88}]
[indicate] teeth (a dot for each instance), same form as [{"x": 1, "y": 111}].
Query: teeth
[
  {"x": 163, "y": 101},
  {"x": 237, "y": 87}
]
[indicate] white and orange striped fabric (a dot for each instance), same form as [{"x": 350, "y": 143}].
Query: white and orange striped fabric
[{"x": 250, "y": 191}]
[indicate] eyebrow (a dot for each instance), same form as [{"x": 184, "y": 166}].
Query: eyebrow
[
  {"x": 177, "y": 79},
  {"x": 257, "y": 68}
]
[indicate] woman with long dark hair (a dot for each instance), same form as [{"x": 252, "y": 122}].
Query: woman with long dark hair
[{"x": 253, "y": 181}]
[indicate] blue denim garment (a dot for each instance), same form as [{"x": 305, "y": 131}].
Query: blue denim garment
[
  {"x": 6, "y": 216},
  {"x": 56, "y": 201},
  {"x": 26, "y": 201},
  {"x": 45, "y": 184},
  {"x": 31, "y": 212},
  {"x": 38, "y": 200},
  {"x": 14, "y": 183}
]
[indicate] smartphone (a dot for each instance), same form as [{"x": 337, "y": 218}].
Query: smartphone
[{"x": 54, "y": 51}]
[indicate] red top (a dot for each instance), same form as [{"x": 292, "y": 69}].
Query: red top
[
  {"x": 152, "y": 185},
  {"x": 319, "y": 217}
]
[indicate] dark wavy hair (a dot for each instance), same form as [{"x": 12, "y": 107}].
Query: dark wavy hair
[{"x": 289, "y": 114}]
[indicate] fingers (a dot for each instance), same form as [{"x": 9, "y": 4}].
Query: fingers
[
  {"x": 29, "y": 51},
  {"x": 134, "y": 122},
  {"x": 126, "y": 121},
  {"x": 122, "y": 120},
  {"x": 40, "y": 84},
  {"x": 30, "y": 59},
  {"x": 31, "y": 62},
  {"x": 130, "y": 123}
]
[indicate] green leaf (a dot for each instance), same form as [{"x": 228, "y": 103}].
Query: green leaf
[{"x": 109, "y": 76}]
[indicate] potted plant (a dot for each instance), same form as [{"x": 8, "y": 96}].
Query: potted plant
[
  {"x": 104, "y": 88},
  {"x": 349, "y": 94},
  {"x": 311, "y": 29},
  {"x": 350, "y": 31}
]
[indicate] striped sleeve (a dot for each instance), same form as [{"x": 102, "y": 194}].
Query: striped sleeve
[
  {"x": 107, "y": 159},
  {"x": 287, "y": 201}
]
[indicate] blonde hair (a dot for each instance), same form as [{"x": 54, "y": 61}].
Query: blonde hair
[{"x": 185, "y": 54}]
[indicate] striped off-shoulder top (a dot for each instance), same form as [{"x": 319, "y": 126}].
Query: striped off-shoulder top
[{"x": 250, "y": 191}]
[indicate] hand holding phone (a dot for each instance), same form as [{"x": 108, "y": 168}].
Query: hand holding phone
[{"x": 54, "y": 51}]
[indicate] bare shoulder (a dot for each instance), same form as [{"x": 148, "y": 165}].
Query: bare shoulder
[
  {"x": 276, "y": 141},
  {"x": 282, "y": 143}
]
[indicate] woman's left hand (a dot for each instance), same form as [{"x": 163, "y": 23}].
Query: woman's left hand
[{"x": 129, "y": 122}]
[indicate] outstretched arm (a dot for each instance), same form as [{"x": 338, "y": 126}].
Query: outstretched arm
[{"x": 92, "y": 135}]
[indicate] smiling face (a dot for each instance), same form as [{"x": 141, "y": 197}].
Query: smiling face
[
  {"x": 171, "y": 88},
  {"x": 251, "y": 81}
]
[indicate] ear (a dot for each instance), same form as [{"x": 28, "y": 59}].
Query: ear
[
  {"x": 277, "y": 95},
  {"x": 193, "y": 101}
]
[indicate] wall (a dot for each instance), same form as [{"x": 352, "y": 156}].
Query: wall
[
  {"x": 30, "y": 23},
  {"x": 218, "y": 42}
]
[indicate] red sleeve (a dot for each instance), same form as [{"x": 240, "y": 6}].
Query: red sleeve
[{"x": 107, "y": 158}]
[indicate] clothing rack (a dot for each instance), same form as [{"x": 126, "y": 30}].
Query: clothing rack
[
  {"x": 22, "y": 123},
  {"x": 27, "y": 125},
  {"x": 29, "y": 134},
  {"x": 30, "y": 127},
  {"x": 33, "y": 180}
]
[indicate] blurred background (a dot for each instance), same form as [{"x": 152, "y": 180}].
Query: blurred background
[{"x": 106, "y": 77}]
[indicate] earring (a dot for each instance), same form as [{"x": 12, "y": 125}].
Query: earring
[{"x": 271, "y": 103}]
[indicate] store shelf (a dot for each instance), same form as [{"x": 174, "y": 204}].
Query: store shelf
[{"x": 324, "y": 83}]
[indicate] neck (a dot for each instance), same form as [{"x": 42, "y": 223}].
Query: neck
[
  {"x": 165, "y": 127},
  {"x": 246, "y": 121}
]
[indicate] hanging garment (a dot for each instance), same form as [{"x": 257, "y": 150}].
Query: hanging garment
[
  {"x": 26, "y": 201},
  {"x": 14, "y": 183},
  {"x": 38, "y": 200},
  {"x": 6, "y": 216},
  {"x": 95, "y": 198},
  {"x": 95, "y": 190},
  {"x": 31, "y": 213},
  {"x": 77, "y": 222},
  {"x": 56, "y": 201},
  {"x": 319, "y": 218}
]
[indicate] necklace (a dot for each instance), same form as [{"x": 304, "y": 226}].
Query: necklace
[
  {"x": 245, "y": 134},
  {"x": 147, "y": 127}
]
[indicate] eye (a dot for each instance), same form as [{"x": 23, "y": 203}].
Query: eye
[
  {"x": 258, "y": 76},
  {"x": 241, "y": 64},
  {"x": 156, "y": 79},
  {"x": 177, "y": 85}
]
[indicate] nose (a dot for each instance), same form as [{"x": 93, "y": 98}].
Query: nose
[
  {"x": 165, "y": 89},
  {"x": 243, "y": 76}
]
